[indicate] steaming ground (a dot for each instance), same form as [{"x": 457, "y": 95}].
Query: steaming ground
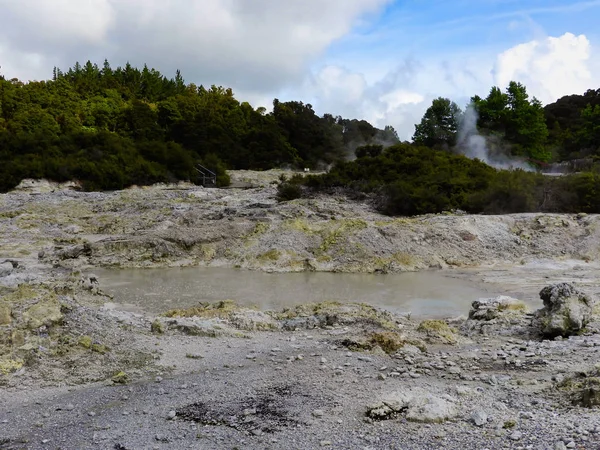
[{"x": 489, "y": 149}]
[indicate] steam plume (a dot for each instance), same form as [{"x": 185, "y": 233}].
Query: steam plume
[{"x": 491, "y": 150}]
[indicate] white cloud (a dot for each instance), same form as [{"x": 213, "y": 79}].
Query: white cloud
[
  {"x": 264, "y": 48},
  {"x": 43, "y": 23},
  {"x": 549, "y": 68},
  {"x": 252, "y": 45}
]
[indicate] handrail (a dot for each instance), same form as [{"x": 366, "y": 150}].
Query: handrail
[{"x": 208, "y": 176}]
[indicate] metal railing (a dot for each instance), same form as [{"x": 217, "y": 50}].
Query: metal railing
[{"x": 207, "y": 177}]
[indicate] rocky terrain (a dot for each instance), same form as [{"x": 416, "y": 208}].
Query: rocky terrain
[{"x": 78, "y": 373}]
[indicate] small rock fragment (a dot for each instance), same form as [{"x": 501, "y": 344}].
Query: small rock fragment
[
  {"x": 479, "y": 418},
  {"x": 516, "y": 436}
]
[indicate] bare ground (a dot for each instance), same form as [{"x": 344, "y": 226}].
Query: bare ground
[{"x": 237, "y": 378}]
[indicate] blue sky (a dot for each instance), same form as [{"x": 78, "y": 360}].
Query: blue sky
[
  {"x": 440, "y": 29},
  {"x": 379, "y": 60},
  {"x": 453, "y": 48}
]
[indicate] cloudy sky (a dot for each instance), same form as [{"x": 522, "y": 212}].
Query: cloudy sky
[{"x": 381, "y": 60}]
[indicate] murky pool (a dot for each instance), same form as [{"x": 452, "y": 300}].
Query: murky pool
[{"x": 424, "y": 294}]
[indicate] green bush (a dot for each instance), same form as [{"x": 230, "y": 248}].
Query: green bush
[{"x": 288, "y": 191}]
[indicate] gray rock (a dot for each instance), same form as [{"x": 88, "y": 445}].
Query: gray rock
[
  {"x": 516, "y": 436},
  {"x": 500, "y": 315},
  {"x": 566, "y": 310},
  {"x": 171, "y": 415},
  {"x": 250, "y": 320},
  {"x": 318, "y": 413},
  {"x": 162, "y": 438},
  {"x": 560, "y": 445},
  {"x": 418, "y": 405},
  {"x": 494, "y": 308},
  {"x": 6, "y": 269},
  {"x": 479, "y": 418}
]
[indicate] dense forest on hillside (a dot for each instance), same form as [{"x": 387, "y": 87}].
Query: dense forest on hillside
[{"x": 110, "y": 128}]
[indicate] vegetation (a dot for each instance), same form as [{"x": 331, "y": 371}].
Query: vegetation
[
  {"x": 568, "y": 129},
  {"x": 573, "y": 124},
  {"x": 110, "y": 128},
  {"x": 407, "y": 179},
  {"x": 520, "y": 122},
  {"x": 439, "y": 126}
]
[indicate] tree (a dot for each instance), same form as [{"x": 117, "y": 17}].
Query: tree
[
  {"x": 115, "y": 127},
  {"x": 519, "y": 121},
  {"x": 589, "y": 136},
  {"x": 439, "y": 126}
]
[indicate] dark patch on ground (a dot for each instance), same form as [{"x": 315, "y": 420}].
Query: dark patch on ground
[
  {"x": 268, "y": 412},
  {"x": 10, "y": 444}
]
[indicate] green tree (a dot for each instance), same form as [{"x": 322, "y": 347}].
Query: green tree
[
  {"x": 589, "y": 135},
  {"x": 439, "y": 125},
  {"x": 517, "y": 119}
]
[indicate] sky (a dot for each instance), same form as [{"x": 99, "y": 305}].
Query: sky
[{"x": 379, "y": 60}]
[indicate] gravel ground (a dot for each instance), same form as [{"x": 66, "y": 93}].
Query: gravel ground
[{"x": 77, "y": 374}]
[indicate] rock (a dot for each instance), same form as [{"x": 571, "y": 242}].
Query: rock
[
  {"x": 75, "y": 251},
  {"x": 497, "y": 316},
  {"x": 171, "y": 415},
  {"x": 497, "y": 307},
  {"x": 479, "y": 418},
  {"x": 6, "y": 268},
  {"x": 560, "y": 445},
  {"x": 454, "y": 370},
  {"x": 418, "y": 405},
  {"x": 90, "y": 283},
  {"x": 162, "y": 438},
  {"x": 566, "y": 310},
  {"x": 250, "y": 320},
  {"x": 516, "y": 436},
  {"x": 45, "y": 312},
  {"x": 318, "y": 413},
  {"x": 5, "y": 314},
  {"x": 120, "y": 378}
]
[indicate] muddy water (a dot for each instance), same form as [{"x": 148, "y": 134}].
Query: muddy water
[{"x": 424, "y": 294}]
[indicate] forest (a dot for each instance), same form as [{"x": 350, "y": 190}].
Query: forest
[{"x": 112, "y": 128}]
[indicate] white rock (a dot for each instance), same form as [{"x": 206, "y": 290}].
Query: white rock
[{"x": 479, "y": 418}]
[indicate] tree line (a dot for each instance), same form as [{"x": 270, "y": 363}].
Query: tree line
[
  {"x": 567, "y": 129},
  {"x": 431, "y": 175},
  {"x": 111, "y": 128},
  {"x": 407, "y": 179}
]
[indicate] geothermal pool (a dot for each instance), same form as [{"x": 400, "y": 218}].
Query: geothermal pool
[{"x": 423, "y": 294}]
